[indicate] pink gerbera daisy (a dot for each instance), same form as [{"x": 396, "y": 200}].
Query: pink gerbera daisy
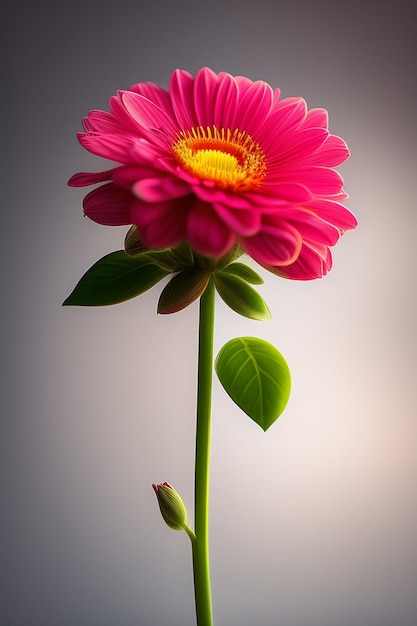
[{"x": 219, "y": 160}]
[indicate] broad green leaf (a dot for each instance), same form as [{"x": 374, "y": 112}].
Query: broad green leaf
[
  {"x": 245, "y": 272},
  {"x": 182, "y": 290},
  {"x": 256, "y": 376},
  {"x": 115, "y": 278},
  {"x": 241, "y": 297}
]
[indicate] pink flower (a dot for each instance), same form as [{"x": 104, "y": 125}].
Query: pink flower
[{"x": 219, "y": 160}]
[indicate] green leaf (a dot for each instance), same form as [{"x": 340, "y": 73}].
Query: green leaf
[
  {"x": 115, "y": 278},
  {"x": 182, "y": 290},
  {"x": 241, "y": 297},
  {"x": 256, "y": 376},
  {"x": 245, "y": 272}
]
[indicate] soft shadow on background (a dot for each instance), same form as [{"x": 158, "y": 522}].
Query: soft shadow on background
[{"x": 313, "y": 523}]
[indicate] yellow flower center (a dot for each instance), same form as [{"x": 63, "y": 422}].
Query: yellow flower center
[{"x": 231, "y": 159}]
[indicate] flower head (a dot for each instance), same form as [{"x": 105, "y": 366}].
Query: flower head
[{"x": 217, "y": 161}]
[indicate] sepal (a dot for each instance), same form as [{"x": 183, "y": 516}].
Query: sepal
[
  {"x": 243, "y": 271},
  {"x": 240, "y": 296},
  {"x": 170, "y": 259},
  {"x": 183, "y": 289},
  {"x": 133, "y": 243}
]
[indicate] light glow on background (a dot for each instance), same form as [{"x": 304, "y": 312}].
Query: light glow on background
[{"x": 312, "y": 523}]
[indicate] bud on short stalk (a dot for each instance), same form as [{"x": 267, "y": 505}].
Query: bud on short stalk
[{"x": 172, "y": 507}]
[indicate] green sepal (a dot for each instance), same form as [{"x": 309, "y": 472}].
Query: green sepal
[
  {"x": 243, "y": 271},
  {"x": 211, "y": 264},
  {"x": 183, "y": 289},
  {"x": 229, "y": 257},
  {"x": 256, "y": 376},
  {"x": 184, "y": 253},
  {"x": 174, "y": 259},
  {"x": 115, "y": 278},
  {"x": 170, "y": 259},
  {"x": 241, "y": 297},
  {"x": 133, "y": 243}
]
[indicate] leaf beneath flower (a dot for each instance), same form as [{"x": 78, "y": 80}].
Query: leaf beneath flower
[
  {"x": 256, "y": 376},
  {"x": 245, "y": 272},
  {"x": 182, "y": 290},
  {"x": 170, "y": 259},
  {"x": 241, "y": 297},
  {"x": 133, "y": 243},
  {"x": 115, "y": 278}
]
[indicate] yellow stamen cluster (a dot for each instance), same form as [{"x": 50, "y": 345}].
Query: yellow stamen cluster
[{"x": 231, "y": 159}]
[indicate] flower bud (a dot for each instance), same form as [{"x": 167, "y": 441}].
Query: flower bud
[{"x": 172, "y": 507}]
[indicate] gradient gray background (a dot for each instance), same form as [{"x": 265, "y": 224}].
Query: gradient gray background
[{"x": 312, "y": 523}]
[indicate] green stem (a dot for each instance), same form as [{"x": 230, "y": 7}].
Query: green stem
[{"x": 202, "y": 459}]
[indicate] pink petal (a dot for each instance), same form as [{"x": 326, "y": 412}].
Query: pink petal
[
  {"x": 205, "y": 86},
  {"x": 288, "y": 191},
  {"x": 278, "y": 243},
  {"x": 321, "y": 181},
  {"x": 104, "y": 123},
  {"x": 241, "y": 221},
  {"x": 333, "y": 152},
  {"x": 118, "y": 109},
  {"x": 297, "y": 147},
  {"x": 212, "y": 194},
  {"x": 339, "y": 197},
  {"x": 262, "y": 201},
  {"x": 270, "y": 202},
  {"x": 316, "y": 118},
  {"x": 155, "y": 94},
  {"x": 276, "y": 96},
  {"x": 312, "y": 228},
  {"x": 109, "y": 205},
  {"x": 286, "y": 116},
  {"x": 145, "y": 153},
  {"x": 244, "y": 84},
  {"x": 207, "y": 233},
  {"x": 311, "y": 263},
  {"x": 253, "y": 107},
  {"x": 335, "y": 213},
  {"x": 181, "y": 89},
  {"x": 114, "y": 147},
  {"x": 83, "y": 179},
  {"x": 162, "y": 225},
  {"x": 87, "y": 126},
  {"x": 226, "y": 101},
  {"x": 127, "y": 175},
  {"x": 160, "y": 189},
  {"x": 170, "y": 165},
  {"x": 149, "y": 117}
]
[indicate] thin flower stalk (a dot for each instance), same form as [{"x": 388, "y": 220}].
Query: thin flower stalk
[{"x": 201, "y": 564}]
